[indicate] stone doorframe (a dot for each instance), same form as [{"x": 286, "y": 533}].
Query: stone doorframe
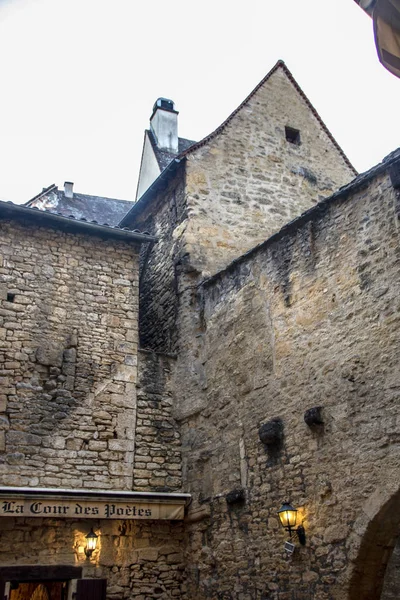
[{"x": 37, "y": 573}]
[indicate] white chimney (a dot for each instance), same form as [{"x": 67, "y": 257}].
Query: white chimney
[
  {"x": 69, "y": 189},
  {"x": 164, "y": 125}
]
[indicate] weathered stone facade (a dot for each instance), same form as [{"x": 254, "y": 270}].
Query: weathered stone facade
[
  {"x": 245, "y": 183},
  {"x": 69, "y": 358},
  {"x": 72, "y": 413},
  {"x": 228, "y": 193},
  {"x": 305, "y": 321},
  {"x": 158, "y": 461},
  {"x": 140, "y": 560},
  {"x": 275, "y": 379},
  {"x": 310, "y": 318},
  {"x": 158, "y": 292}
]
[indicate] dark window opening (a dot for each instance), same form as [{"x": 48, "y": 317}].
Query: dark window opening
[
  {"x": 292, "y": 135},
  {"x": 10, "y": 297}
]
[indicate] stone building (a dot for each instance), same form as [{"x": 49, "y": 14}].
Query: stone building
[
  {"x": 75, "y": 430},
  {"x": 264, "y": 371}
]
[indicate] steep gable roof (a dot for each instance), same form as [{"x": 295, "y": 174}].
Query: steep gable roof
[
  {"x": 170, "y": 167},
  {"x": 279, "y": 65}
]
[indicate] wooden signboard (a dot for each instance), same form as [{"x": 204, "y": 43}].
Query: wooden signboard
[{"x": 61, "y": 508}]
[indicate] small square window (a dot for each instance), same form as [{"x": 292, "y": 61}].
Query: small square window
[
  {"x": 10, "y": 297},
  {"x": 292, "y": 135}
]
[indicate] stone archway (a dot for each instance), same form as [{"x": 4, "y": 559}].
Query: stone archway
[{"x": 377, "y": 530}]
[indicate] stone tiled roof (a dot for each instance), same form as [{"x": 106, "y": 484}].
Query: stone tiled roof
[
  {"x": 163, "y": 157},
  {"x": 70, "y": 223},
  {"x": 102, "y": 210}
]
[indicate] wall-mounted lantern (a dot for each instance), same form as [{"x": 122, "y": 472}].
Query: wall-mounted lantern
[
  {"x": 91, "y": 543},
  {"x": 288, "y": 517}
]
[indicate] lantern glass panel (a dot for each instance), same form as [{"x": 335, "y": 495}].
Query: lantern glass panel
[
  {"x": 91, "y": 540},
  {"x": 288, "y": 516}
]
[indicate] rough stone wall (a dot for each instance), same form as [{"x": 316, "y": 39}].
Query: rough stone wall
[
  {"x": 309, "y": 319},
  {"x": 140, "y": 560},
  {"x": 229, "y": 195},
  {"x": 249, "y": 181},
  {"x": 165, "y": 218},
  {"x": 68, "y": 356},
  {"x": 157, "y": 464}
]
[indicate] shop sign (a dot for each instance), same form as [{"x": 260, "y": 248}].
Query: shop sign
[{"x": 89, "y": 509}]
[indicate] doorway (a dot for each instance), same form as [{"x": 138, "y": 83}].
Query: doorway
[
  {"x": 37, "y": 582},
  {"x": 38, "y": 590},
  {"x": 53, "y": 582}
]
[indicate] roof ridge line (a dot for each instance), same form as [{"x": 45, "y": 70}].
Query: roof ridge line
[
  {"x": 318, "y": 117},
  {"x": 42, "y": 193},
  {"x": 103, "y": 197},
  {"x": 210, "y": 136},
  {"x": 279, "y": 64}
]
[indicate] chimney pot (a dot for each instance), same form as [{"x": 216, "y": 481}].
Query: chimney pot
[{"x": 69, "y": 189}]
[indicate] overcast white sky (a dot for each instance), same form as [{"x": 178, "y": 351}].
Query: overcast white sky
[{"x": 79, "y": 78}]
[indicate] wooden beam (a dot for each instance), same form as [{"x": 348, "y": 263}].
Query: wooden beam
[{"x": 40, "y": 573}]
